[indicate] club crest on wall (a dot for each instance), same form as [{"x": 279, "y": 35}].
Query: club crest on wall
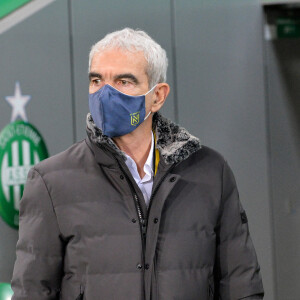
[{"x": 21, "y": 147}]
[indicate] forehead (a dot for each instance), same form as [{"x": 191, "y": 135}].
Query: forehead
[{"x": 119, "y": 60}]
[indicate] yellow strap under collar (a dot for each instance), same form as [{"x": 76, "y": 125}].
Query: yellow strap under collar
[{"x": 156, "y": 154}]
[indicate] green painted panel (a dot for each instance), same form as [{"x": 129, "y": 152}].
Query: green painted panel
[
  {"x": 288, "y": 28},
  {"x": 8, "y": 6}
]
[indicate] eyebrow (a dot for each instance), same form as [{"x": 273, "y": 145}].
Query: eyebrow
[
  {"x": 94, "y": 74},
  {"x": 128, "y": 76},
  {"x": 116, "y": 77}
]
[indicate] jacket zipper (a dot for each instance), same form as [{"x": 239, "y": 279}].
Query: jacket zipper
[
  {"x": 143, "y": 221},
  {"x": 143, "y": 227}
]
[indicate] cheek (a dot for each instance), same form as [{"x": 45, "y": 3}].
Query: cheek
[
  {"x": 95, "y": 86},
  {"x": 93, "y": 89}
]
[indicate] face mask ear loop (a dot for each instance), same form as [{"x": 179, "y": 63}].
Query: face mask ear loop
[
  {"x": 146, "y": 95},
  {"x": 150, "y": 90},
  {"x": 148, "y": 115}
]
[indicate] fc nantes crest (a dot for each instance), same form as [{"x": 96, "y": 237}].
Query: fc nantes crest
[
  {"x": 21, "y": 146},
  {"x": 135, "y": 118}
]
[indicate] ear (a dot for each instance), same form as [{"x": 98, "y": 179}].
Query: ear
[{"x": 160, "y": 95}]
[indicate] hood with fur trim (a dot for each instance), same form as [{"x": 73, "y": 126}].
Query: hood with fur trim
[{"x": 174, "y": 143}]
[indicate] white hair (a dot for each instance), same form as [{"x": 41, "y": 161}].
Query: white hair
[{"x": 134, "y": 41}]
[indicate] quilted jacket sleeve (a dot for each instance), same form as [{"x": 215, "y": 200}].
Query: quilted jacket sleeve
[
  {"x": 38, "y": 267},
  {"x": 237, "y": 270}
]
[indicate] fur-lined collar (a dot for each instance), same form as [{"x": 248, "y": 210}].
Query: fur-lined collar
[{"x": 174, "y": 143}]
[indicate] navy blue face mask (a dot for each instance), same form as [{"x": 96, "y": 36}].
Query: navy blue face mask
[{"x": 116, "y": 113}]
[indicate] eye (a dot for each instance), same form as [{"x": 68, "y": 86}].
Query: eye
[
  {"x": 95, "y": 81},
  {"x": 124, "y": 82}
]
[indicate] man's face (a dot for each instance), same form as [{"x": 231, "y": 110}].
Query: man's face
[{"x": 125, "y": 71}]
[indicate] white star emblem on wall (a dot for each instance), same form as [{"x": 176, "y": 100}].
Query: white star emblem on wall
[{"x": 18, "y": 103}]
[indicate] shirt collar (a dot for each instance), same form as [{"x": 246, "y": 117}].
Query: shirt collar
[{"x": 148, "y": 167}]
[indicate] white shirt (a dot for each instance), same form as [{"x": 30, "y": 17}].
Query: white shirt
[{"x": 145, "y": 184}]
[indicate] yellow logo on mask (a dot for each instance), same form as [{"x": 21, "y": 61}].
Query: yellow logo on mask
[{"x": 135, "y": 118}]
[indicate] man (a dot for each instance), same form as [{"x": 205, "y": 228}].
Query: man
[{"x": 138, "y": 210}]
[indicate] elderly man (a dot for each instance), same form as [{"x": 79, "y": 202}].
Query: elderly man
[{"x": 138, "y": 210}]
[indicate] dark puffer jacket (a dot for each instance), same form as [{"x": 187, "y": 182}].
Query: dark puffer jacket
[{"x": 85, "y": 232}]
